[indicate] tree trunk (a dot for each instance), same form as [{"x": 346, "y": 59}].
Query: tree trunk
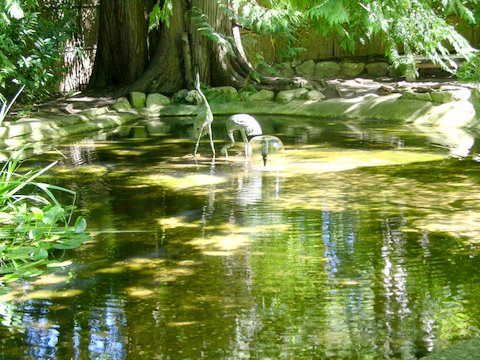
[
  {"x": 165, "y": 71},
  {"x": 122, "y": 52}
]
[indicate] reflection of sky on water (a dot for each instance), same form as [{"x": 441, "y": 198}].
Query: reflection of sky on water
[
  {"x": 104, "y": 329},
  {"x": 42, "y": 336},
  {"x": 106, "y": 326}
]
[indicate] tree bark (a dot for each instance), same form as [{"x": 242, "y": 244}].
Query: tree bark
[
  {"x": 123, "y": 60},
  {"x": 122, "y": 51}
]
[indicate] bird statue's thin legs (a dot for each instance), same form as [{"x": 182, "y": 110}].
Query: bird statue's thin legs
[
  {"x": 247, "y": 144},
  {"x": 211, "y": 138},
  {"x": 196, "y": 145},
  {"x": 247, "y": 126}
]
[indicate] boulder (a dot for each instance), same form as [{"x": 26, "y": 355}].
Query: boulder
[
  {"x": 266, "y": 69},
  {"x": 443, "y": 97},
  {"x": 93, "y": 112},
  {"x": 315, "y": 95},
  {"x": 155, "y": 100},
  {"x": 306, "y": 69},
  {"x": 284, "y": 69},
  {"x": 351, "y": 69},
  {"x": 180, "y": 96},
  {"x": 262, "y": 95},
  {"x": 137, "y": 99},
  {"x": 285, "y": 96},
  {"x": 300, "y": 93},
  {"x": 378, "y": 69},
  {"x": 18, "y": 129},
  {"x": 424, "y": 96},
  {"x": 326, "y": 69},
  {"x": 121, "y": 104}
]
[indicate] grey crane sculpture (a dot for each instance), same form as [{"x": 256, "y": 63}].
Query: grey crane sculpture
[
  {"x": 203, "y": 121},
  {"x": 247, "y": 125}
]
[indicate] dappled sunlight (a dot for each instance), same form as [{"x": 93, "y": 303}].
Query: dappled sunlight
[
  {"x": 96, "y": 170},
  {"x": 171, "y": 274},
  {"x": 177, "y": 222},
  {"x": 139, "y": 292},
  {"x": 51, "y": 279},
  {"x": 463, "y": 223},
  {"x": 181, "y": 323},
  {"x": 176, "y": 182},
  {"x": 128, "y": 152},
  {"x": 51, "y": 294},
  {"x": 312, "y": 162},
  {"x": 221, "y": 245},
  {"x": 132, "y": 264}
]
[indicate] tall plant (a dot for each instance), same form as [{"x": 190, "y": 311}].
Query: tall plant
[
  {"x": 33, "y": 222},
  {"x": 32, "y": 40},
  {"x": 5, "y": 107}
]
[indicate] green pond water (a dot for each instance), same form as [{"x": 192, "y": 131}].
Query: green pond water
[{"x": 358, "y": 242}]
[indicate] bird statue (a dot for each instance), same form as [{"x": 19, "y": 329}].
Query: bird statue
[
  {"x": 247, "y": 125},
  {"x": 203, "y": 121}
]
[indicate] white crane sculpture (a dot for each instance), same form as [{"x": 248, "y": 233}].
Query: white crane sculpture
[
  {"x": 247, "y": 125},
  {"x": 203, "y": 121}
]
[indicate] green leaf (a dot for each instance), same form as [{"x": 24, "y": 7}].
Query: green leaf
[
  {"x": 37, "y": 213},
  {"x": 53, "y": 215},
  {"x": 80, "y": 225},
  {"x": 59, "y": 264},
  {"x": 41, "y": 253}
]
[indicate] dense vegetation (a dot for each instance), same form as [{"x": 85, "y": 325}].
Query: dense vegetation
[
  {"x": 33, "y": 35},
  {"x": 33, "y": 222},
  {"x": 32, "y": 40}
]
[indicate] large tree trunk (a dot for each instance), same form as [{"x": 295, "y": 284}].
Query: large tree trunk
[
  {"x": 165, "y": 71},
  {"x": 122, "y": 51},
  {"x": 176, "y": 51}
]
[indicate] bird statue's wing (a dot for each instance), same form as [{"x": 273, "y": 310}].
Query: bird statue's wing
[{"x": 247, "y": 123}]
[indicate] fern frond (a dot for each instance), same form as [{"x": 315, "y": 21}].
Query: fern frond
[
  {"x": 206, "y": 29},
  {"x": 160, "y": 15}
]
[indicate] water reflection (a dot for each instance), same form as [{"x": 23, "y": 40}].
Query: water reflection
[{"x": 205, "y": 260}]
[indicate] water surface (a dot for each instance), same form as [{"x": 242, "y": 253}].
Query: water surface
[{"x": 360, "y": 241}]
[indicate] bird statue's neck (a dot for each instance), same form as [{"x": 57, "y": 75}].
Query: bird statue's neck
[{"x": 202, "y": 95}]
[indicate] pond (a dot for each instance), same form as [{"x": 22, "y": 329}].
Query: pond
[{"x": 359, "y": 241}]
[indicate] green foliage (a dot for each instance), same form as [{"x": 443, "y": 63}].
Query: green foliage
[
  {"x": 273, "y": 21},
  {"x": 32, "y": 40},
  {"x": 470, "y": 71},
  {"x": 33, "y": 222},
  {"x": 408, "y": 27},
  {"x": 202, "y": 23},
  {"x": 160, "y": 14}
]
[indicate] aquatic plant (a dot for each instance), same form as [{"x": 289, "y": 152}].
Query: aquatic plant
[
  {"x": 33, "y": 223},
  {"x": 5, "y": 108}
]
